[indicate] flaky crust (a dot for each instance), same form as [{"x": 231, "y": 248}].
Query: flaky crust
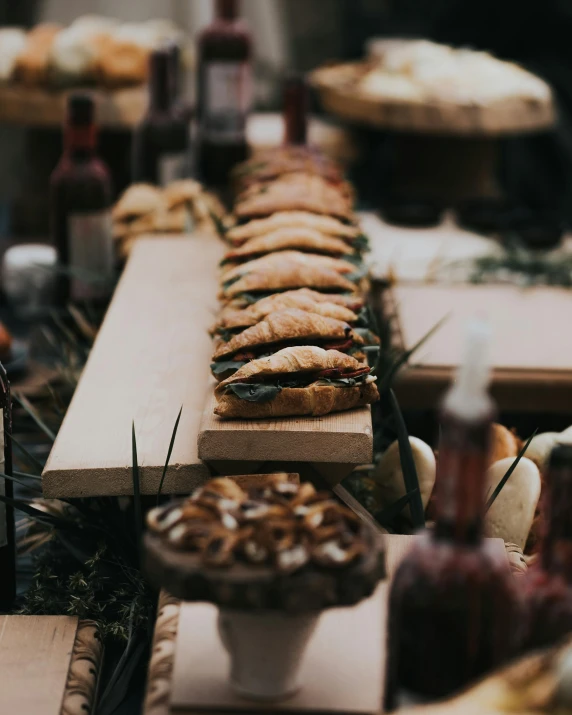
[
  {"x": 353, "y": 302},
  {"x": 300, "y": 239},
  {"x": 287, "y": 325},
  {"x": 314, "y": 400},
  {"x": 302, "y": 358},
  {"x": 32, "y": 64},
  {"x": 325, "y": 225},
  {"x": 295, "y": 192},
  {"x": 230, "y": 318},
  {"x": 288, "y": 276},
  {"x": 297, "y": 258},
  {"x": 138, "y": 200}
]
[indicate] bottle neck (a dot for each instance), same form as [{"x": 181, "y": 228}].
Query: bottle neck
[
  {"x": 227, "y": 10},
  {"x": 160, "y": 82},
  {"x": 556, "y": 553},
  {"x": 80, "y": 140},
  {"x": 296, "y": 111},
  {"x": 461, "y": 469}
]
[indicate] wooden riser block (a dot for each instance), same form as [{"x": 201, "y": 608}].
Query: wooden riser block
[{"x": 338, "y": 438}]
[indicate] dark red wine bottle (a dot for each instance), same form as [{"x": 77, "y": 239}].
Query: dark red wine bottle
[
  {"x": 452, "y": 605},
  {"x": 295, "y": 110},
  {"x": 161, "y": 141},
  {"x": 81, "y": 197},
  {"x": 547, "y": 587},
  {"x": 224, "y": 93},
  {"x": 7, "y": 532}
]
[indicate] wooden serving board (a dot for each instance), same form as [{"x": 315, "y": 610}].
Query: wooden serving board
[
  {"x": 337, "y": 88},
  {"x": 151, "y": 356},
  {"x": 531, "y": 351},
  {"x": 334, "y": 443},
  {"x": 50, "y": 665},
  {"x": 160, "y": 682},
  {"x": 37, "y": 107}
]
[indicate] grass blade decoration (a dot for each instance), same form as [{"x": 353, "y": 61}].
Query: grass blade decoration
[
  {"x": 408, "y": 466},
  {"x": 33, "y": 460},
  {"x": 15, "y": 480},
  {"x": 169, "y": 452},
  {"x": 387, "y": 515},
  {"x": 32, "y": 412},
  {"x": 137, "y": 510},
  {"x": 511, "y": 469},
  {"x": 386, "y": 380}
]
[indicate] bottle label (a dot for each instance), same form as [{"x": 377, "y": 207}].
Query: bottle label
[
  {"x": 228, "y": 98},
  {"x": 3, "y": 525},
  {"x": 172, "y": 167},
  {"x": 91, "y": 254}
]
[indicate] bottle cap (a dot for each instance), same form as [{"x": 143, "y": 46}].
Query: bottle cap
[{"x": 81, "y": 109}]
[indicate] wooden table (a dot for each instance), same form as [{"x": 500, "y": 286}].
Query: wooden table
[
  {"x": 151, "y": 356},
  {"x": 159, "y": 680},
  {"x": 50, "y": 665}
]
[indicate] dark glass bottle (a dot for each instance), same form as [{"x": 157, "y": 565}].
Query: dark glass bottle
[
  {"x": 547, "y": 587},
  {"x": 7, "y": 533},
  {"x": 80, "y": 202},
  {"x": 161, "y": 141},
  {"x": 295, "y": 110},
  {"x": 224, "y": 93},
  {"x": 452, "y": 614}
]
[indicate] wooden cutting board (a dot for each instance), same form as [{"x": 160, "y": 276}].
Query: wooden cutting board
[{"x": 531, "y": 350}]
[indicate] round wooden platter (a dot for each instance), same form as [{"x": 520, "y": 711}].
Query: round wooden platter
[{"x": 337, "y": 86}]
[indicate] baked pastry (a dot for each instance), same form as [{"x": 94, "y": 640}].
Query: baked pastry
[
  {"x": 280, "y": 330},
  {"x": 296, "y": 192},
  {"x": 32, "y": 64},
  {"x": 296, "y": 381},
  {"x": 74, "y": 54},
  {"x": 325, "y": 225},
  {"x": 277, "y": 161},
  {"x": 121, "y": 62},
  {"x": 281, "y": 546},
  {"x": 353, "y": 302},
  {"x": 283, "y": 239},
  {"x": 273, "y": 260},
  {"x": 138, "y": 200},
  {"x": 12, "y": 44},
  {"x": 233, "y": 319},
  {"x": 259, "y": 282}
]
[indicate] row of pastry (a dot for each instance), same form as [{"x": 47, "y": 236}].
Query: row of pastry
[{"x": 293, "y": 336}]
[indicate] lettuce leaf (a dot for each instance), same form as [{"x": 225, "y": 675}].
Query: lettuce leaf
[
  {"x": 361, "y": 243},
  {"x": 252, "y": 392},
  {"x": 225, "y": 365}
]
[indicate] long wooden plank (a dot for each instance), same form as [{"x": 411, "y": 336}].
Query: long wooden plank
[
  {"x": 339, "y": 438},
  {"x": 151, "y": 356},
  {"x": 35, "y": 655}
]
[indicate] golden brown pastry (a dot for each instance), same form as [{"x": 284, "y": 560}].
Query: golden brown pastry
[
  {"x": 233, "y": 319},
  {"x": 180, "y": 192},
  {"x": 299, "y": 239},
  {"x": 353, "y": 302},
  {"x": 302, "y": 380},
  {"x": 120, "y": 62},
  {"x": 5, "y": 343},
  {"x": 32, "y": 64},
  {"x": 275, "y": 260},
  {"x": 325, "y": 225},
  {"x": 138, "y": 200},
  {"x": 284, "y": 277},
  {"x": 296, "y": 192},
  {"x": 279, "y": 330}
]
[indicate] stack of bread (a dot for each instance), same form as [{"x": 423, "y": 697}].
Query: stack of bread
[
  {"x": 292, "y": 337},
  {"x": 180, "y": 207},
  {"x": 92, "y": 50}
]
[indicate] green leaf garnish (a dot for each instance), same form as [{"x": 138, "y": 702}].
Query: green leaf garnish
[
  {"x": 253, "y": 392},
  {"x": 218, "y": 368}
]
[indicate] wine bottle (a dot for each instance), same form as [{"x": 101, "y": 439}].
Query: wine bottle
[
  {"x": 161, "y": 141},
  {"x": 7, "y": 533},
  {"x": 224, "y": 93},
  {"x": 452, "y": 605},
  {"x": 80, "y": 202},
  {"x": 547, "y": 587},
  {"x": 295, "y": 110}
]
